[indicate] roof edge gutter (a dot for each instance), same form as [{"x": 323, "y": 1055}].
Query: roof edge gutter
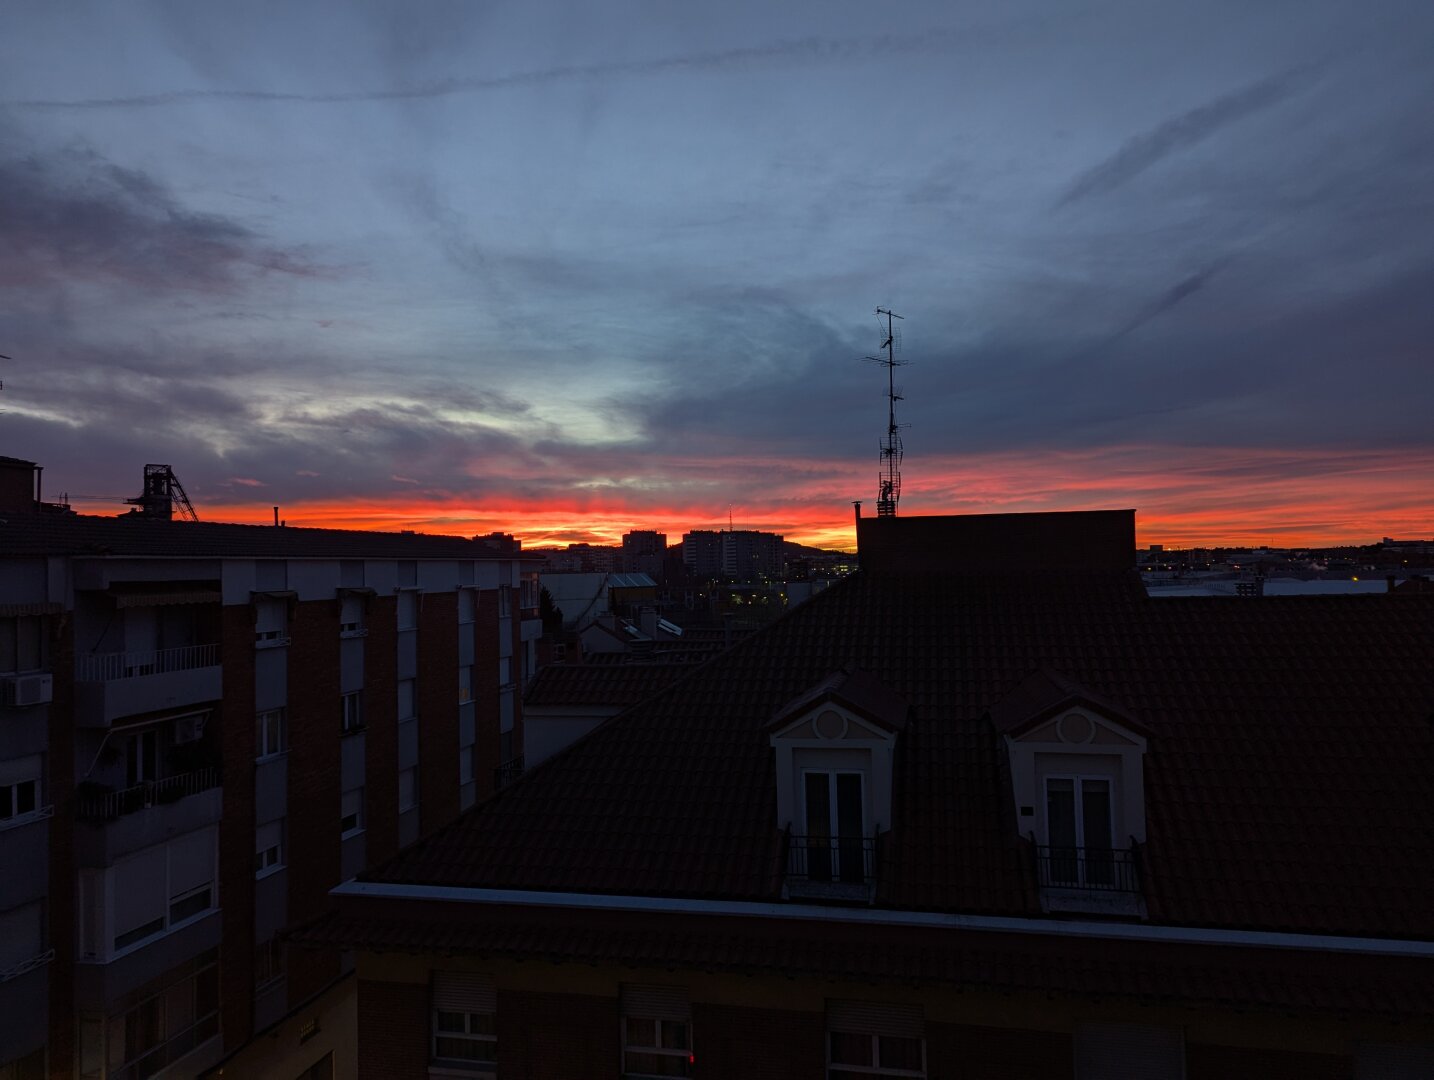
[{"x": 1183, "y": 935}]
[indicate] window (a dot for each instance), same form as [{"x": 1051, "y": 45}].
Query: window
[
  {"x": 836, "y": 847},
  {"x": 166, "y": 1025},
  {"x": 22, "y": 643},
  {"x": 505, "y": 601},
  {"x": 1078, "y": 828},
  {"x": 351, "y": 617},
  {"x": 529, "y": 598},
  {"x": 407, "y": 700},
  {"x": 19, "y": 788},
  {"x": 407, "y": 609},
  {"x": 465, "y": 684},
  {"x": 351, "y": 813},
  {"x": 269, "y": 848},
  {"x": 152, "y": 891},
  {"x": 868, "y": 1039},
  {"x": 271, "y": 623},
  {"x": 270, "y": 733},
  {"x": 465, "y": 765},
  {"x": 505, "y": 671},
  {"x": 270, "y": 962},
  {"x": 656, "y": 1032},
  {"x": 407, "y": 789},
  {"x": 465, "y": 605},
  {"x": 465, "y": 1029},
  {"x": 352, "y": 713},
  {"x": 141, "y": 760}
]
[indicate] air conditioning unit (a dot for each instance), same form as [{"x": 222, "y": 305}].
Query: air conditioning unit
[
  {"x": 188, "y": 729},
  {"x": 24, "y": 690}
]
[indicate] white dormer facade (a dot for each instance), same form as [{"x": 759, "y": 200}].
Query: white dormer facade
[
  {"x": 821, "y": 747},
  {"x": 1068, "y": 769}
]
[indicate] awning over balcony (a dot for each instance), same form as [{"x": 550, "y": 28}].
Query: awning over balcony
[{"x": 158, "y": 594}]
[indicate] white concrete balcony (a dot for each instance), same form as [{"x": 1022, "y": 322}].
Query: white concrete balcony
[
  {"x": 115, "y": 823},
  {"x": 111, "y": 685}
]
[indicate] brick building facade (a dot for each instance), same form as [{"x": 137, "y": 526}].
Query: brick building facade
[{"x": 206, "y": 729}]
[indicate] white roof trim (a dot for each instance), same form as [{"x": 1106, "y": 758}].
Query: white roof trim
[{"x": 1190, "y": 935}]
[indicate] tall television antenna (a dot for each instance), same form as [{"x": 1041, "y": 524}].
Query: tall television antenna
[{"x": 889, "y": 481}]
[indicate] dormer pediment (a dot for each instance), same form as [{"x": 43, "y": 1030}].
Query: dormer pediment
[
  {"x": 829, "y": 722},
  {"x": 1068, "y": 744},
  {"x": 846, "y": 725}
]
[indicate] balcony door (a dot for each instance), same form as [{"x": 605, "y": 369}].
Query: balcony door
[
  {"x": 1079, "y": 829},
  {"x": 836, "y": 848}
]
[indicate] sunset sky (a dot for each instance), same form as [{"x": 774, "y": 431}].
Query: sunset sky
[{"x": 566, "y": 269}]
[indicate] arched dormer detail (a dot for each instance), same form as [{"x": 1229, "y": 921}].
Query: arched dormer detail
[{"x": 837, "y": 736}]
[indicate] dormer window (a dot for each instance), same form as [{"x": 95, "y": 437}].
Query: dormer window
[
  {"x": 834, "y": 747},
  {"x": 1077, "y": 777}
]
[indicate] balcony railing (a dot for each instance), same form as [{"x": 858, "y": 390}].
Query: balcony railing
[
  {"x": 26, "y": 966},
  {"x": 109, "y": 805},
  {"x": 1114, "y": 870},
  {"x": 848, "y": 860},
  {"x": 108, "y": 667},
  {"x": 507, "y": 772}
]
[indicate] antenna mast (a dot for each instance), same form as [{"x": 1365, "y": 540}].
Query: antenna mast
[{"x": 889, "y": 481}]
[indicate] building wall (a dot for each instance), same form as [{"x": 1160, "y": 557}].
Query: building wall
[
  {"x": 314, "y": 783},
  {"x": 304, "y": 784},
  {"x": 561, "y": 1021},
  {"x": 237, "y": 825},
  {"x": 438, "y": 710}
]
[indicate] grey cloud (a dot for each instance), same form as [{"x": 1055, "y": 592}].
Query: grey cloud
[
  {"x": 1184, "y": 131},
  {"x": 75, "y": 216}
]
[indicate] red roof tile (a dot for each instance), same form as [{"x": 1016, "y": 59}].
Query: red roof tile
[{"x": 1287, "y": 781}]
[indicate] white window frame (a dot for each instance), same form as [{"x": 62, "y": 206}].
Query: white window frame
[
  {"x": 266, "y": 748},
  {"x": 505, "y": 601},
  {"x": 351, "y": 720},
  {"x": 274, "y": 955},
  {"x": 659, "y": 1050},
  {"x": 413, "y": 700},
  {"x": 470, "y": 998},
  {"x": 1082, "y": 851},
  {"x": 37, "y": 622},
  {"x": 412, "y": 773},
  {"x": 10, "y": 799},
  {"x": 836, "y": 838},
  {"x": 877, "y": 1069}
]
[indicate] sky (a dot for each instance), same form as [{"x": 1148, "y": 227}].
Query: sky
[{"x": 566, "y": 269}]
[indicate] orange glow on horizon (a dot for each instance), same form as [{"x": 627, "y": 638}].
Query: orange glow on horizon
[{"x": 1183, "y": 498}]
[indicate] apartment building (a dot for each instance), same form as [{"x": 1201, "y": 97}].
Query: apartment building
[
  {"x": 744, "y": 555},
  {"x": 205, "y": 728},
  {"x": 962, "y": 815}
]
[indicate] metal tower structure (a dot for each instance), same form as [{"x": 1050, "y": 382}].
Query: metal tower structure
[
  {"x": 889, "y": 481},
  {"x": 162, "y": 494}
]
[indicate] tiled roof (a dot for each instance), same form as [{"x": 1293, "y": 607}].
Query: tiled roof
[
  {"x": 1046, "y": 692},
  {"x": 602, "y": 684},
  {"x": 78, "y": 534},
  {"x": 1287, "y": 777}
]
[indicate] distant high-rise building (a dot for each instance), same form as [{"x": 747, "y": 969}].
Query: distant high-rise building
[
  {"x": 702, "y": 553},
  {"x": 751, "y": 556},
  {"x": 643, "y": 551}
]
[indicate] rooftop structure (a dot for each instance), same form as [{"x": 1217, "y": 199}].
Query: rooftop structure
[{"x": 954, "y": 810}]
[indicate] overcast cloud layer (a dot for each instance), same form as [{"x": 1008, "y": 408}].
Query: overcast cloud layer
[{"x": 567, "y": 268}]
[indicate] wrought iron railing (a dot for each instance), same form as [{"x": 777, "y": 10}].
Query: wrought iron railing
[
  {"x": 1096, "y": 869},
  {"x": 507, "y": 772},
  {"x": 109, "y": 805},
  {"x": 845, "y": 859},
  {"x": 108, "y": 667}
]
